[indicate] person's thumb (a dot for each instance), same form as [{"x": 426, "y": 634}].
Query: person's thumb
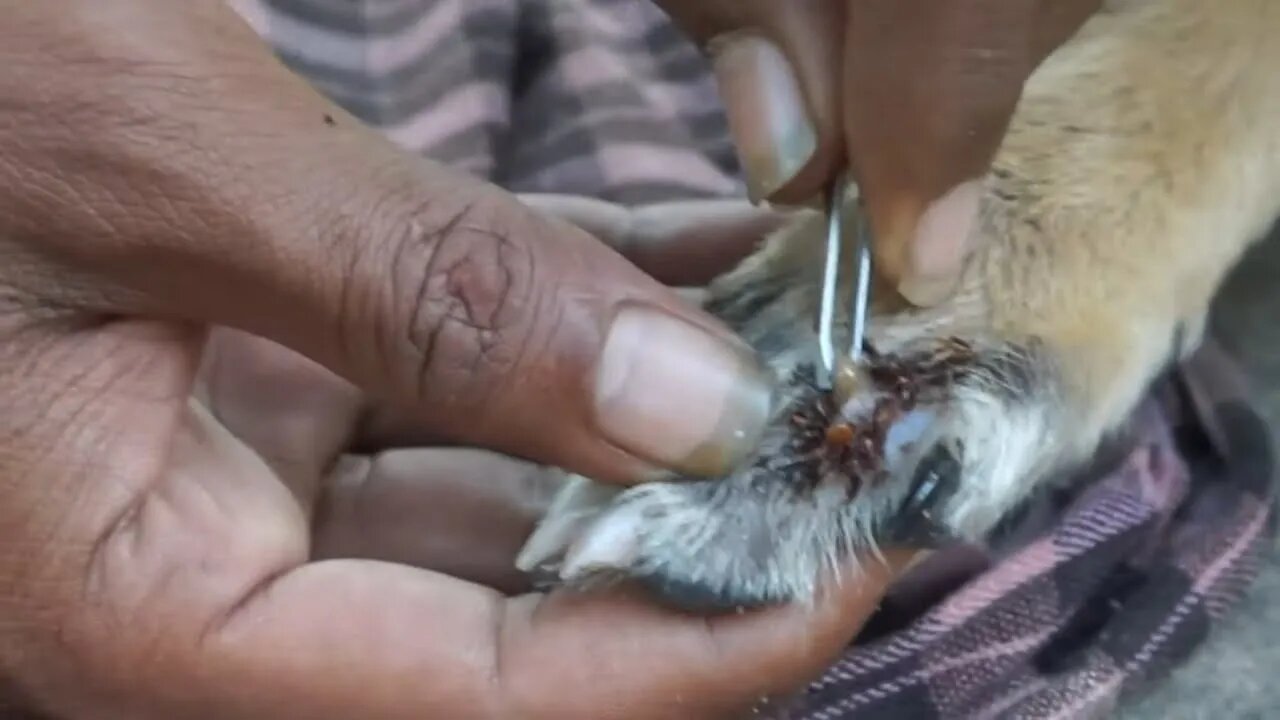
[
  {"x": 777, "y": 68},
  {"x": 208, "y": 184},
  {"x": 930, "y": 90}
]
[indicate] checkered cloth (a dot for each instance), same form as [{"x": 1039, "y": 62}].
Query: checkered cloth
[{"x": 1095, "y": 592}]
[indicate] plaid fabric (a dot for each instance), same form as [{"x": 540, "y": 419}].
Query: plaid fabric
[
  {"x": 1095, "y": 592},
  {"x": 593, "y": 98}
]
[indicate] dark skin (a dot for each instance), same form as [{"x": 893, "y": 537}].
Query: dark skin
[
  {"x": 242, "y": 340},
  {"x": 914, "y": 96}
]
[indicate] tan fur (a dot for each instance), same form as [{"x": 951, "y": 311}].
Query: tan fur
[{"x": 1142, "y": 162}]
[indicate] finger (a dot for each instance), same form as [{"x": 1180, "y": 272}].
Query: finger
[
  {"x": 293, "y": 413},
  {"x": 777, "y": 66},
  {"x": 431, "y": 290},
  {"x": 681, "y": 243},
  {"x": 226, "y": 620},
  {"x": 930, "y": 89},
  {"x": 412, "y": 644},
  {"x": 682, "y": 666},
  {"x": 461, "y": 512}
]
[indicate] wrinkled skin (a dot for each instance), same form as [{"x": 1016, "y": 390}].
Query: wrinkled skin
[{"x": 238, "y": 336}]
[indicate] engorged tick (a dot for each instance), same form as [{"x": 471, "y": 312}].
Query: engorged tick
[{"x": 840, "y": 435}]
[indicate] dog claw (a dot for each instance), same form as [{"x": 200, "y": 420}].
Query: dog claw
[{"x": 935, "y": 480}]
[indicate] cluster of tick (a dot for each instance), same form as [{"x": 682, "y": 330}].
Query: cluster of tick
[{"x": 823, "y": 443}]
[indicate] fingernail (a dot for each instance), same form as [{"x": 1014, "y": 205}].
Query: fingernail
[
  {"x": 944, "y": 237},
  {"x": 926, "y": 292},
  {"x": 767, "y": 115},
  {"x": 676, "y": 396}
]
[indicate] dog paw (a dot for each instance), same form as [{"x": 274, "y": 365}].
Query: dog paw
[
  {"x": 1142, "y": 162},
  {"x": 879, "y": 458}
]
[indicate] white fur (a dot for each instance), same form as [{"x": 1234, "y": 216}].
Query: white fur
[{"x": 1142, "y": 162}]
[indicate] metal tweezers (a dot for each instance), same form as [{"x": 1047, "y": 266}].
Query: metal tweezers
[{"x": 831, "y": 284}]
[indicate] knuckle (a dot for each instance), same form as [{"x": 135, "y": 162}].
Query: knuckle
[{"x": 464, "y": 285}]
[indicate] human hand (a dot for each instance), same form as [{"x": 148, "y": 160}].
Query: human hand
[
  {"x": 914, "y": 95},
  {"x": 231, "y": 318}
]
